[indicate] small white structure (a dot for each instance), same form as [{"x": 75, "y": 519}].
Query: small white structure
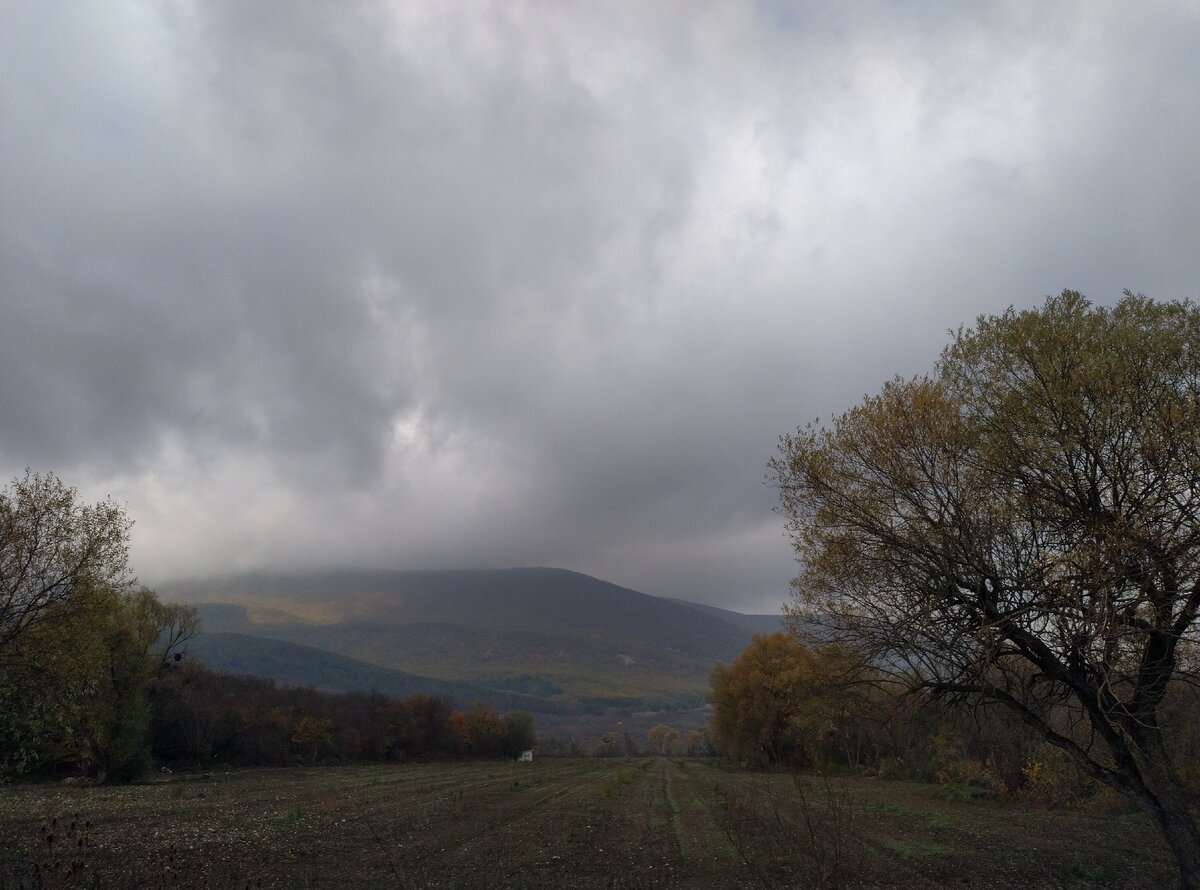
[{"x": 526, "y": 757}]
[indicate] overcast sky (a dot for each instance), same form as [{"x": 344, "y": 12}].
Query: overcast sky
[{"x": 422, "y": 285}]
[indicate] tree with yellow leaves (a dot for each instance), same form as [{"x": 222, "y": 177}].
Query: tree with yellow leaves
[
  {"x": 758, "y": 698},
  {"x": 1021, "y": 526}
]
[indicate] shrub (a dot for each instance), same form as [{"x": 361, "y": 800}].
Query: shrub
[{"x": 1051, "y": 780}]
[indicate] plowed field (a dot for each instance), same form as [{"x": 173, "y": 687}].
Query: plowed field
[{"x": 650, "y": 823}]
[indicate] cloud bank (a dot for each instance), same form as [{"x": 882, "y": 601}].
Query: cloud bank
[{"x": 431, "y": 285}]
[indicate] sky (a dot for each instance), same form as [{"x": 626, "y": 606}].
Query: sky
[{"x": 482, "y": 284}]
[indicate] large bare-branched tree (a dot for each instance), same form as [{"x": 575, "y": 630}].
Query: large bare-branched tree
[{"x": 1022, "y": 526}]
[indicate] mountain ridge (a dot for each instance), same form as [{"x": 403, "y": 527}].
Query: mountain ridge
[{"x": 594, "y": 640}]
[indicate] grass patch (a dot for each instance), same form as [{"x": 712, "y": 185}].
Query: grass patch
[
  {"x": 1090, "y": 874},
  {"x": 916, "y": 848},
  {"x": 960, "y": 791}
]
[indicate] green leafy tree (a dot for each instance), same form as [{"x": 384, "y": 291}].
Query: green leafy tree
[
  {"x": 48, "y": 684},
  {"x": 138, "y": 638},
  {"x": 78, "y": 650},
  {"x": 61, "y": 563},
  {"x": 1022, "y": 526}
]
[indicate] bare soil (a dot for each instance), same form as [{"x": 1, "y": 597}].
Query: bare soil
[{"x": 641, "y": 823}]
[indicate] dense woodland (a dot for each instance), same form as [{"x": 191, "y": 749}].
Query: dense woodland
[{"x": 202, "y": 717}]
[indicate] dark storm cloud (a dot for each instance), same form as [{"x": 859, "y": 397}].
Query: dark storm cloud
[{"x": 496, "y": 284}]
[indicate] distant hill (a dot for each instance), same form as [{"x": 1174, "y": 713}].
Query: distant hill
[
  {"x": 560, "y": 637},
  {"x": 756, "y": 624},
  {"x": 297, "y": 665}
]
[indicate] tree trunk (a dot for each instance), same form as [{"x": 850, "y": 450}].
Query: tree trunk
[
  {"x": 1176, "y": 825},
  {"x": 1166, "y": 802}
]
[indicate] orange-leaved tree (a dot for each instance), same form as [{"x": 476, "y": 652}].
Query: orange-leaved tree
[{"x": 758, "y": 698}]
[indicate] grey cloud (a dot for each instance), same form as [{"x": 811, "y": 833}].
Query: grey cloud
[{"x": 422, "y": 284}]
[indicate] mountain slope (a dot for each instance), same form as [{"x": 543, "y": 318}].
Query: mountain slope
[
  {"x": 594, "y": 640},
  {"x": 297, "y": 665},
  {"x": 755, "y": 624}
]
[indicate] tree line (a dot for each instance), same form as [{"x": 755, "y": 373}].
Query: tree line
[
  {"x": 202, "y": 717},
  {"x": 782, "y": 703}
]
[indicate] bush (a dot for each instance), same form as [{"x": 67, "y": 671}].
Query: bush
[
  {"x": 973, "y": 773},
  {"x": 892, "y": 768},
  {"x": 1051, "y": 780}
]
